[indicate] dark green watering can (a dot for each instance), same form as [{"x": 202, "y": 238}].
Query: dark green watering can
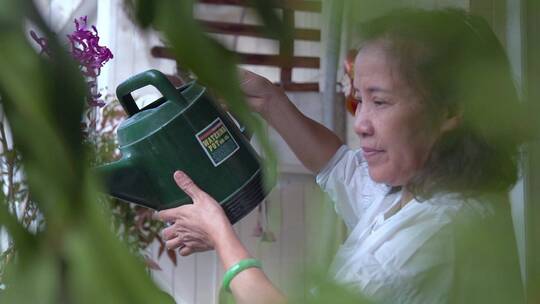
[{"x": 183, "y": 130}]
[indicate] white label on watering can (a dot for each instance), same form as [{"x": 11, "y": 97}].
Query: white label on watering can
[{"x": 217, "y": 142}]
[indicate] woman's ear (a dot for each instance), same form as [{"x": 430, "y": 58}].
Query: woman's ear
[{"x": 451, "y": 120}]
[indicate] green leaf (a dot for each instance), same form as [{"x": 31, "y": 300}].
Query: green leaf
[
  {"x": 274, "y": 25},
  {"x": 75, "y": 258}
]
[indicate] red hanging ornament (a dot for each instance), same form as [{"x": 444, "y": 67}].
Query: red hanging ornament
[{"x": 350, "y": 101}]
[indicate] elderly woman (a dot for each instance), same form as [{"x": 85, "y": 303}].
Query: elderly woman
[{"x": 435, "y": 107}]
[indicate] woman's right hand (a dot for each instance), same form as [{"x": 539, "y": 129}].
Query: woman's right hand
[{"x": 260, "y": 92}]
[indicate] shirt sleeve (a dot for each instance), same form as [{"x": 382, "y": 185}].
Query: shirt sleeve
[{"x": 346, "y": 181}]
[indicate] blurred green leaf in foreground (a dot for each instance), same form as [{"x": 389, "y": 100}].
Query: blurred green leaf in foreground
[{"x": 75, "y": 258}]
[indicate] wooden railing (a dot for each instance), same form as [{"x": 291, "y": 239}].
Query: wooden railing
[{"x": 285, "y": 60}]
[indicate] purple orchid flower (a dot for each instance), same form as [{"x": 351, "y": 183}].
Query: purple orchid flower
[{"x": 86, "y": 50}]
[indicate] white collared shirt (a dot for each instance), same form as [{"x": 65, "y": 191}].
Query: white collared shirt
[{"x": 393, "y": 257}]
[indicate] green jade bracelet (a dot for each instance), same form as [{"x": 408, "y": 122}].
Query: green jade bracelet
[{"x": 236, "y": 269}]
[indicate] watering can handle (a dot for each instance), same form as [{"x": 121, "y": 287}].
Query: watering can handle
[
  {"x": 151, "y": 77},
  {"x": 242, "y": 127}
]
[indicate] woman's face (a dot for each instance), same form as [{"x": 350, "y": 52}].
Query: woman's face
[{"x": 391, "y": 118}]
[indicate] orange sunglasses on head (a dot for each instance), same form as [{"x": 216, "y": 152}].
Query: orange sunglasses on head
[{"x": 350, "y": 101}]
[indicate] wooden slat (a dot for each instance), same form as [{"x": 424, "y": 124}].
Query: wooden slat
[
  {"x": 255, "y": 30},
  {"x": 300, "y": 86},
  {"x": 297, "y": 5},
  {"x": 185, "y": 278},
  {"x": 279, "y": 61},
  {"x": 206, "y": 276},
  {"x": 286, "y": 49},
  {"x": 175, "y": 80},
  {"x": 292, "y": 253},
  {"x": 256, "y": 59},
  {"x": 289, "y": 86},
  {"x": 269, "y": 252}
]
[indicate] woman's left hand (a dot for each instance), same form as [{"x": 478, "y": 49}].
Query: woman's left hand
[
  {"x": 196, "y": 226},
  {"x": 203, "y": 225}
]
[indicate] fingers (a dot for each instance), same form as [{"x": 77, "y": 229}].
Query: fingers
[
  {"x": 170, "y": 232},
  {"x": 193, "y": 247},
  {"x": 168, "y": 215},
  {"x": 185, "y": 251},
  {"x": 245, "y": 75},
  {"x": 253, "y": 84},
  {"x": 187, "y": 185},
  {"x": 174, "y": 243},
  {"x": 186, "y": 247}
]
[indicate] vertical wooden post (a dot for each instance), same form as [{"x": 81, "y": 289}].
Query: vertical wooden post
[
  {"x": 286, "y": 49},
  {"x": 333, "y": 12},
  {"x": 531, "y": 11}
]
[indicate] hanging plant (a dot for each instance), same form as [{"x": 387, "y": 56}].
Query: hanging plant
[
  {"x": 133, "y": 224},
  {"x": 91, "y": 57},
  {"x": 17, "y": 196},
  {"x": 102, "y": 115}
]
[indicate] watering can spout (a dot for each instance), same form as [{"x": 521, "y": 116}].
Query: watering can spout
[{"x": 129, "y": 183}]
